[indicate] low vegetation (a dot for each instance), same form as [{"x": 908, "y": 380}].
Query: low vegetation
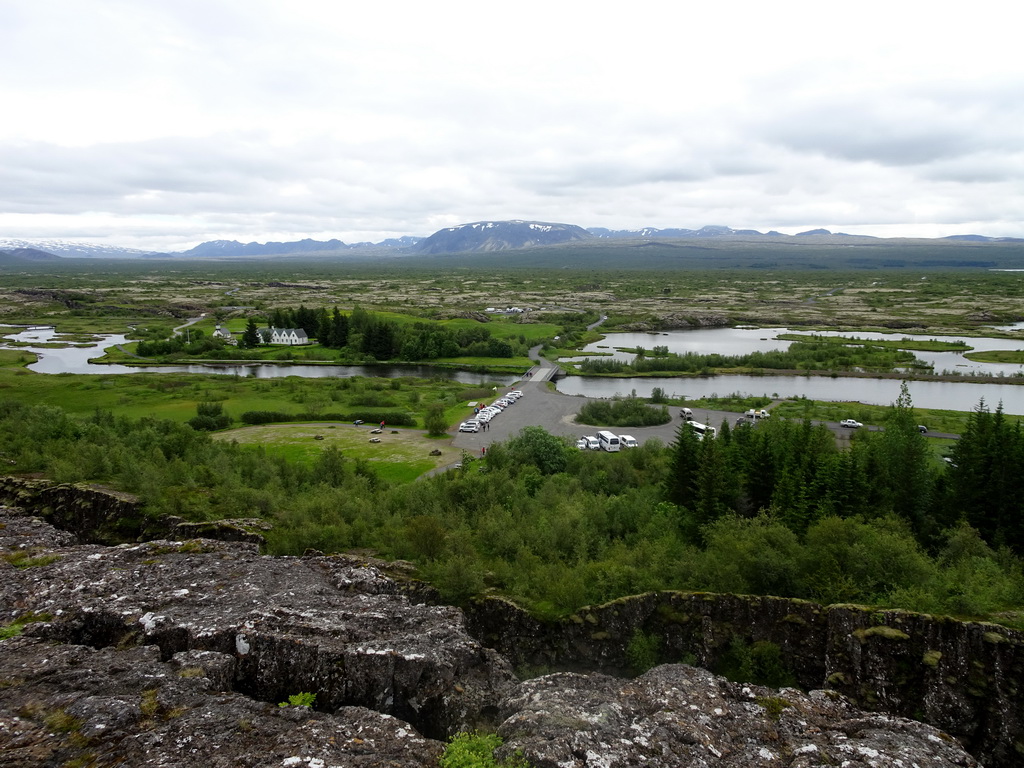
[
  {"x": 622, "y": 412},
  {"x": 800, "y": 356},
  {"x": 774, "y": 510},
  {"x": 476, "y": 750}
]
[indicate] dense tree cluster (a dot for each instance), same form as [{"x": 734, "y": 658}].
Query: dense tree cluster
[
  {"x": 369, "y": 334},
  {"x": 773, "y": 509}
]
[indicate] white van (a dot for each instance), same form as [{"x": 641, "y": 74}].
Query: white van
[
  {"x": 609, "y": 442},
  {"x": 686, "y": 413},
  {"x": 628, "y": 441},
  {"x": 703, "y": 430}
]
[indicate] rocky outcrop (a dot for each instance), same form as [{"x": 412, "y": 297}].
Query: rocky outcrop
[
  {"x": 963, "y": 677},
  {"x": 102, "y": 516},
  {"x": 676, "y": 321},
  {"x": 678, "y": 715},
  {"x": 290, "y": 624},
  {"x": 64, "y": 705},
  {"x": 93, "y": 515},
  {"x": 177, "y": 653}
]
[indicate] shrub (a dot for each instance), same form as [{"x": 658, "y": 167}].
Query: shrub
[
  {"x": 643, "y": 650},
  {"x": 624, "y": 412},
  {"x": 304, "y": 699},
  {"x": 476, "y": 750},
  {"x": 760, "y": 663}
]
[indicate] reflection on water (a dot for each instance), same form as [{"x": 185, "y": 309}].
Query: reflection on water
[
  {"x": 76, "y": 360},
  {"x": 743, "y": 341},
  {"x": 957, "y": 396},
  {"x": 953, "y": 396}
]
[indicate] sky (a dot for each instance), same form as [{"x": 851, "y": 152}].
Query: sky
[{"x": 159, "y": 125}]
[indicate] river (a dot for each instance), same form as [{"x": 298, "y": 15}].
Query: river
[
  {"x": 75, "y": 359},
  {"x": 957, "y": 396}
]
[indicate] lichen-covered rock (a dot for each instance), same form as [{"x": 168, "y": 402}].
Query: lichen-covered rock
[
  {"x": 677, "y": 715},
  {"x": 90, "y": 514},
  {"x": 962, "y": 677},
  {"x": 74, "y": 705},
  {"x": 319, "y": 624}
]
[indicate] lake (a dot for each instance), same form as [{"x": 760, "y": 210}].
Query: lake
[{"x": 958, "y": 396}]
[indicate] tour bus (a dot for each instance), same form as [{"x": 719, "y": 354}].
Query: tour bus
[
  {"x": 702, "y": 430},
  {"x": 608, "y": 441}
]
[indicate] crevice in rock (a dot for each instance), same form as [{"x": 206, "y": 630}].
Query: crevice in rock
[{"x": 272, "y": 668}]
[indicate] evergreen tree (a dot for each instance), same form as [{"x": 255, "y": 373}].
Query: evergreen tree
[
  {"x": 715, "y": 484},
  {"x": 306, "y": 319},
  {"x": 339, "y": 330},
  {"x": 904, "y": 462},
  {"x": 681, "y": 483},
  {"x": 251, "y": 336},
  {"x": 985, "y": 484},
  {"x": 281, "y": 318}
]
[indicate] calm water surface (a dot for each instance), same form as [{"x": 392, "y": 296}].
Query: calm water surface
[
  {"x": 76, "y": 360},
  {"x": 959, "y": 396}
]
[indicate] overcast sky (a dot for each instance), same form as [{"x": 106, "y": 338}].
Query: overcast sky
[{"x": 160, "y": 124}]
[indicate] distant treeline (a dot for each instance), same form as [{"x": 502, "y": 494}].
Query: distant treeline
[{"x": 801, "y": 355}]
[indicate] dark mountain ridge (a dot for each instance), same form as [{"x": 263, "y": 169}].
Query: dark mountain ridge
[
  {"x": 499, "y": 236},
  {"x": 19, "y": 255},
  {"x": 570, "y": 245}
]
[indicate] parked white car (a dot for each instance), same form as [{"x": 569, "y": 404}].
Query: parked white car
[
  {"x": 469, "y": 426},
  {"x": 582, "y": 443},
  {"x": 593, "y": 443},
  {"x": 628, "y": 441},
  {"x": 851, "y": 423}
]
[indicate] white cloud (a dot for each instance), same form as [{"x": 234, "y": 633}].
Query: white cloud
[{"x": 156, "y": 124}]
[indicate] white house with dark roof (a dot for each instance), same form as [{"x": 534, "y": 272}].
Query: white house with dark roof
[
  {"x": 223, "y": 333},
  {"x": 290, "y": 337}
]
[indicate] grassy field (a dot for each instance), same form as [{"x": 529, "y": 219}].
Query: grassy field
[
  {"x": 401, "y": 455},
  {"x": 1014, "y": 356},
  {"x": 930, "y": 345},
  {"x": 175, "y": 396}
]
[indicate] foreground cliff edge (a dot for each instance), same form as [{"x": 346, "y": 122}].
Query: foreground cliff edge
[{"x": 177, "y": 653}]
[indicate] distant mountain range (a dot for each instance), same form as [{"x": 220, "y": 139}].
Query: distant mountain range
[
  {"x": 22, "y": 255},
  {"x": 476, "y": 237},
  {"x": 484, "y": 236}
]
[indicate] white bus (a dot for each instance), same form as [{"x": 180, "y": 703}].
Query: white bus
[
  {"x": 608, "y": 441},
  {"x": 702, "y": 430}
]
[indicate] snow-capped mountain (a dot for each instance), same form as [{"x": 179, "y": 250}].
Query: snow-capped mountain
[
  {"x": 653, "y": 232},
  {"x": 75, "y": 250},
  {"x": 499, "y": 236}
]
